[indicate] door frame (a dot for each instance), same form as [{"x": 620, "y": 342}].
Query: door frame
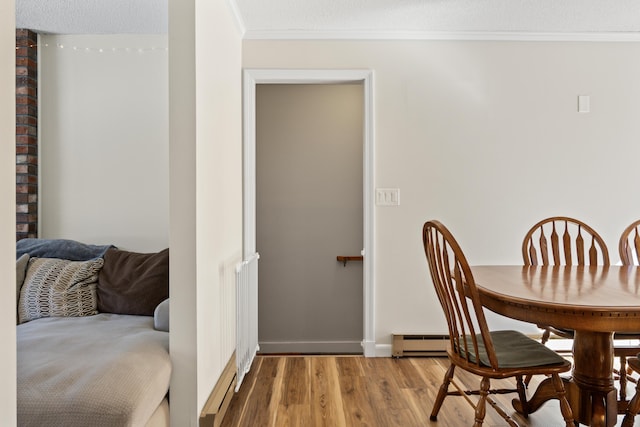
[{"x": 253, "y": 77}]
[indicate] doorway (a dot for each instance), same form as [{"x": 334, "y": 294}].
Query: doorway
[
  {"x": 253, "y": 78},
  {"x": 309, "y": 211}
]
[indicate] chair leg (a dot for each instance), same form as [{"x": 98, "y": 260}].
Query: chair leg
[
  {"x": 623, "y": 378},
  {"x": 632, "y": 408},
  {"x": 545, "y": 335},
  {"x": 527, "y": 380},
  {"x": 481, "y": 407},
  {"x": 522, "y": 395},
  {"x": 565, "y": 408},
  {"x": 442, "y": 392}
]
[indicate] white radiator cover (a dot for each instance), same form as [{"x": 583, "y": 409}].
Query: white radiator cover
[{"x": 247, "y": 315}]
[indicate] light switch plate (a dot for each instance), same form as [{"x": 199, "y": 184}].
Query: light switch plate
[{"x": 387, "y": 196}]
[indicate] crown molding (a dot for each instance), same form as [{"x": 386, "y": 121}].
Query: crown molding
[
  {"x": 442, "y": 35},
  {"x": 242, "y": 28}
]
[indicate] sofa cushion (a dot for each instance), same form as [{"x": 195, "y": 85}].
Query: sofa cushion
[
  {"x": 57, "y": 287},
  {"x": 161, "y": 316},
  {"x": 133, "y": 282}
]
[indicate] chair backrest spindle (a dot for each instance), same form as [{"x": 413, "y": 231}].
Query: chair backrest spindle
[
  {"x": 568, "y": 249},
  {"x": 554, "y": 244},
  {"x": 456, "y": 289},
  {"x": 629, "y": 244}
]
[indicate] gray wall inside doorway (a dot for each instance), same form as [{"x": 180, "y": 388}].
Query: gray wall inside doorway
[{"x": 309, "y": 209}]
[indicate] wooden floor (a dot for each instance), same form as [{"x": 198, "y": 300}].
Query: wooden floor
[{"x": 336, "y": 391}]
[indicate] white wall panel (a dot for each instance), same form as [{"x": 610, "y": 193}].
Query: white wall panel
[
  {"x": 486, "y": 137},
  {"x": 7, "y": 211},
  {"x": 104, "y": 144}
]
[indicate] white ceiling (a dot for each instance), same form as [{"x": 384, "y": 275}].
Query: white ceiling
[{"x": 259, "y": 18}]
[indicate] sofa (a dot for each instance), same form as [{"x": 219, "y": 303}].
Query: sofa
[{"x": 92, "y": 335}]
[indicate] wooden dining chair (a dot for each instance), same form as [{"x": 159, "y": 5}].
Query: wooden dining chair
[
  {"x": 629, "y": 244},
  {"x": 628, "y": 248},
  {"x": 634, "y": 405},
  {"x": 561, "y": 240},
  {"x": 472, "y": 346}
]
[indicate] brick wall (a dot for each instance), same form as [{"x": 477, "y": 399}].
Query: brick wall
[{"x": 26, "y": 134}]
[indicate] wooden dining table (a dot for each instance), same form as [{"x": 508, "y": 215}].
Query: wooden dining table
[{"x": 594, "y": 301}]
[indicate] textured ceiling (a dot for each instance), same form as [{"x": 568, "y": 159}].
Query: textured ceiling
[
  {"x": 343, "y": 16},
  {"x": 93, "y": 16},
  {"x": 443, "y": 15}
]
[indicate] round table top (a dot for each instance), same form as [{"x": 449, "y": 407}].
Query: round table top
[{"x": 590, "y": 298}]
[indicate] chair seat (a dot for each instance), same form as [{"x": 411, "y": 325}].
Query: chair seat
[
  {"x": 569, "y": 333},
  {"x": 635, "y": 363},
  {"x": 626, "y": 336},
  {"x": 516, "y": 350},
  {"x": 633, "y": 406},
  {"x": 561, "y": 332}
]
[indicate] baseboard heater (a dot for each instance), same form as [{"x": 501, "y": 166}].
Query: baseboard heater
[{"x": 419, "y": 345}]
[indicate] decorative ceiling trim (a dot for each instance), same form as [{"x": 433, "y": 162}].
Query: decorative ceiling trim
[
  {"x": 235, "y": 10},
  {"x": 432, "y": 35}
]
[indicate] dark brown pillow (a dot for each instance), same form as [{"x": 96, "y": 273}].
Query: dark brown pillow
[{"x": 132, "y": 282}]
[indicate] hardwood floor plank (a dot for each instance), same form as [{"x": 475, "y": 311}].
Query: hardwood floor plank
[
  {"x": 236, "y": 407},
  {"x": 292, "y": 409},
  {"x": 455, "y": 411},
  {"x": 256, "y": 408},
  {"x": 346, "y": 391},
  {"x": 407, "y": 373},
  {"x": 326, "y": 399},
  {"x": 358, "y": 410},
  {"x": 276, "y": 396},
  {"x": 382, "y": 390},
  {"x": 296, "y": 386},
  {"x": 269, "y": 366},
  {"x": 349, "y": 366},
  {"x": 418, "y": 402},
  {"x": 292, "y": 416}
]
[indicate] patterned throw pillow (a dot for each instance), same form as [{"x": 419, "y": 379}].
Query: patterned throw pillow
[{"x": 57, "y": 287}]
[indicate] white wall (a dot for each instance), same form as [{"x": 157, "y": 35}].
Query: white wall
[
  {"x": 143, "y": 149},
  {"x": 104, "y": 142},
  {"x": 7, "y": 211},
  {"x": 486, "y": 137},
  {"x": 205, "y": 196},
  {"x": 218, "y": 186},
  {"x": 482, "y": 135},
  {"x": 182, "y": 186}
]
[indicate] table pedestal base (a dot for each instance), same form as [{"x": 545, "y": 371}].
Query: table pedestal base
[{"x": 590, "y": 390}]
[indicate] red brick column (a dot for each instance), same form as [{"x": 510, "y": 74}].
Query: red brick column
[{"x": 26, "y": 134}]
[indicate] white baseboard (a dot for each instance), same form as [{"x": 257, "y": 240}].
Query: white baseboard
[
  {"x": 369, "y": 348},
  {"x": 311, "y": 347},
  {"x": 366, "y": 348},
  {"x": 383, "y": 350}
]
